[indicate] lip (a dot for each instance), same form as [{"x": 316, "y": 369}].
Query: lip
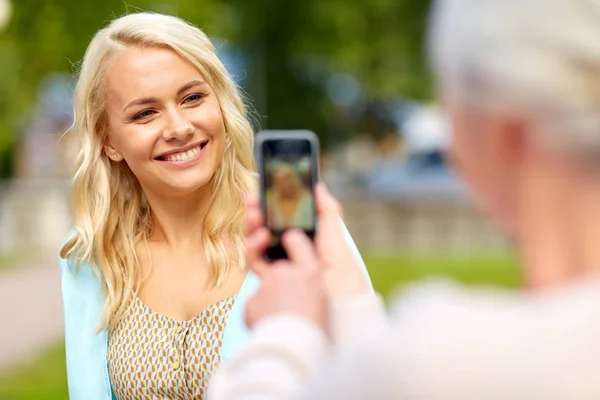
[
  {"x": 181, "y": 149},
  {"x": 186, "y": 163}
]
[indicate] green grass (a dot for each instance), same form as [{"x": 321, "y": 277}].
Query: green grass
[
  {"x": 393, "y": 272},
  {"x": 45, "y": 377},
  {"x": 15, "y": 259}
]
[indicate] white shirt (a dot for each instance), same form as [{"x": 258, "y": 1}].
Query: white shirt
[{"x": 443, "y": 342}]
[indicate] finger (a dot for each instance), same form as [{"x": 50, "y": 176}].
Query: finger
[
  {"x": 258, "y": 266},
  {"x": 330, "y": 241},
  {"x": 254, "y": 220},
  {"x": 254, "y": 217},
  {"x": 329, "y": 211},
  {"x": 252, "y": 201},
  {"x": 327, "y": 206},
  {"x": 300, "y": 249},
  {"x": 256, "y": 245}
]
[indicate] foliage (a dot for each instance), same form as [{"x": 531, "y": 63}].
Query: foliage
[{"x": 292, "y": 48}]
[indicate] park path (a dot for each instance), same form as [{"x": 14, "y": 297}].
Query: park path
[{"x": 31, "y": 315}]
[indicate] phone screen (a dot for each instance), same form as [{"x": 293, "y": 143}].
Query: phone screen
[{"x": 288, "y": 188}]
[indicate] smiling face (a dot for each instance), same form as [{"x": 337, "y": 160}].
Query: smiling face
[
  {"x": 286, "y": 182},
  {"x": 165, "y": 122}
]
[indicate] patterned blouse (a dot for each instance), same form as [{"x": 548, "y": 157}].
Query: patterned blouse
[{"x": 151, "y": 356}]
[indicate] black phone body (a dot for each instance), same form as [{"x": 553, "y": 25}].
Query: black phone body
[{"x": 287, "y": 163}]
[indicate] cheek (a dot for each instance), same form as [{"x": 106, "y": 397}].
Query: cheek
[
  {"x": 460, "y": 147},
  {"x": 468, "y": 154},
  {"x": 211, "y": 119},
  {"x": 136, "y": 144},
  {"x": 475, "y": 160}
]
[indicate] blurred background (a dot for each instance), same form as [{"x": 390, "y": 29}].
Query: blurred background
[{"x": 353, "y": 71}]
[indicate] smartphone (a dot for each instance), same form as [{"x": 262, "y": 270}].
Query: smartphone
[{"x": 287, "y": 163}]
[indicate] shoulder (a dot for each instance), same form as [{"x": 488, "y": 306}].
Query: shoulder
[
  {"x": 438, "y": 297},
  {"x": 71, "y": 268},
  {"x": 236, "y": 332},
  {"x": 306, "y": 202},
  {"x": 80, "y": 282},
  {"x": 77, "y": 272},
  {"x": 84, "y": 346},
  {"x": 506, "y": 339}
]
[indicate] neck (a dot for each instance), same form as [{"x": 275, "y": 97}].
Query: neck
[
  {"x": 559, "y": 224},
  {"x": 291, "y": 195},
  {"x": 179, "y": 221}
]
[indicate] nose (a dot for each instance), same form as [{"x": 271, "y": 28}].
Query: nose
[{"x": 177, "y": 126}]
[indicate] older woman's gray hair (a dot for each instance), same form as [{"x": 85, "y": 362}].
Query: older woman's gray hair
[{"x": 512, "y": 55}]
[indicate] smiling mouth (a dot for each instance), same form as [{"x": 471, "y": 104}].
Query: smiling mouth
[{"x": 184, "y": 155}]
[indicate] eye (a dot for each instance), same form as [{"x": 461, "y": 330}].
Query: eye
[
  {"x": 143, "y": 114},
  {"x": 192, "y": 98}
]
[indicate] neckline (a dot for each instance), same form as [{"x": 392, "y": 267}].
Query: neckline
[{"x": 188, "y": 321}]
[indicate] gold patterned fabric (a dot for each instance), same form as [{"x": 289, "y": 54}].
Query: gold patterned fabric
[{"x": 151, "y": 356}]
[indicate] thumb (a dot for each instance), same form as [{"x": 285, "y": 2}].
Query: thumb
[
  {"x": 255, "y": 247},
  {"x": 300, "y": 249},
  {"x": 329, "y": 213},
  {"x": 327, "y": 206}
]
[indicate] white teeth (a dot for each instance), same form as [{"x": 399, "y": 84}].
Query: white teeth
[{"x": 184, "y": 156}]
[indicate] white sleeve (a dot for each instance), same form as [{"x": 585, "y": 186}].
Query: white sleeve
[
  {"x": 356, "y": 253},
  {"x": 448, "y": 342},
  {"x": 364, "y": 370},
  {"x": 445, "y": 343},
  {"x": 354, "y": 316},
  {"x": 284, "y": 353}
]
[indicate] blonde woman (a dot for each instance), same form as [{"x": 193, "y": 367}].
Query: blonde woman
[
  {"x": 288, "y": 202},
  {"x": 153, "y": 276}
]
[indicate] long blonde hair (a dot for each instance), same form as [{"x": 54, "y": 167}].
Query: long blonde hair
[{"x": 110, "y": 214}]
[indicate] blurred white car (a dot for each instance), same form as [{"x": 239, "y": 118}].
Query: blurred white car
[{"x": 425, "y": 173}]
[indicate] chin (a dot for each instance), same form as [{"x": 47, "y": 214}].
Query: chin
[
  {"x": 186, "y": 188},
  {"x": 184, "y": 185},
  {"x": 177, "y": 183}
]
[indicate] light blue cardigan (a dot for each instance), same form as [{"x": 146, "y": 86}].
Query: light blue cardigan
[{"x": 87, "y": 368}]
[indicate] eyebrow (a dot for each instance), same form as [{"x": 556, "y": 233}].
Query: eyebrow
[{"x": 150, "y": 100}]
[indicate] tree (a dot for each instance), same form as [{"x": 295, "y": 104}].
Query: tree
[
  {"x": 378, "y": 42},
  {"x": 293, "y": 47}
]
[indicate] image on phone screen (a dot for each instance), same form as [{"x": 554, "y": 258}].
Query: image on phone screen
[{"x": 289, "y": 185}]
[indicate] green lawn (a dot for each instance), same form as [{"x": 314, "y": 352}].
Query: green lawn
[
  {"x": 45, "y": 378},
  {"x": 389, "y": 273},
  {"x": 41, "y": 379},
  {"x": 14, "y": 259}
]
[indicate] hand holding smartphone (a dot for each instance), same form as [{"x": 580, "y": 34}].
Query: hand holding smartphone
[{"x": 287, "y": 164}]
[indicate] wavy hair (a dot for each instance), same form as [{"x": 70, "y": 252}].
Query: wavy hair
[{"x": 109, "y": 210}]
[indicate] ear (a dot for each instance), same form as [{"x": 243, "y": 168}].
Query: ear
[
  {"x": 512, "y": 139},
  {"x": 111, "y": 152}
]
